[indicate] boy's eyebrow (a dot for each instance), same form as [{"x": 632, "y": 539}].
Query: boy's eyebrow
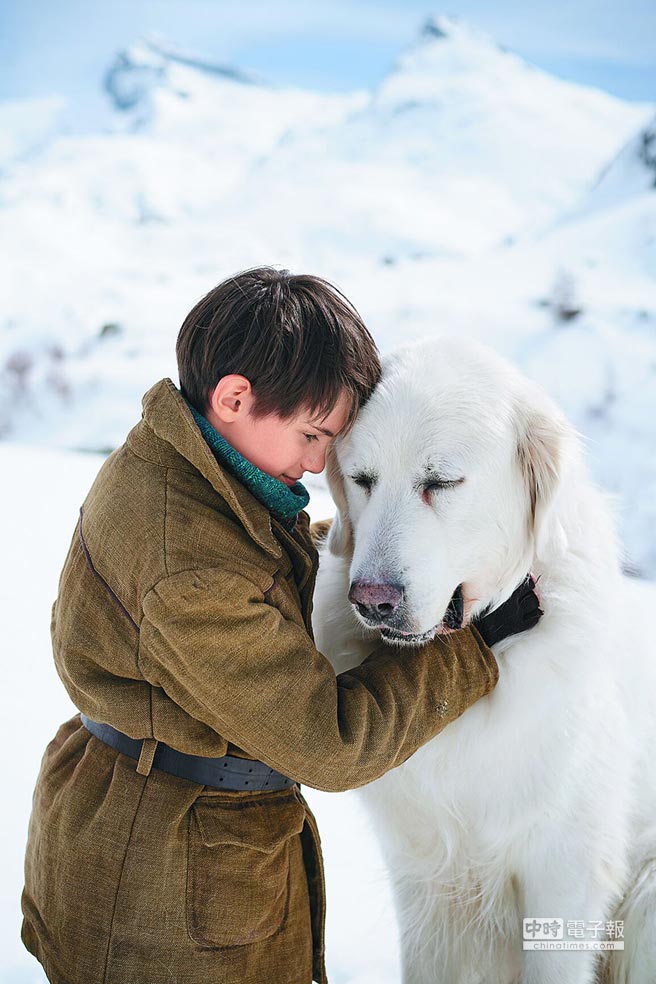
[{"x": 323, "y": 430}]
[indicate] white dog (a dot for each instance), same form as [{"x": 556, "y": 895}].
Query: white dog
[{"x": 540, "y": 800}]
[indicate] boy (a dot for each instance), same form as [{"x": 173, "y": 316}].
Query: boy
[{"x": 169, "y": 840}]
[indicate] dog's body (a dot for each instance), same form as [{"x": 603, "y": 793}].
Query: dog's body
[{"x": 540, "y": 800}]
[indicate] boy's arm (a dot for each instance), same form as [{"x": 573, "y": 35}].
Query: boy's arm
[{"x": 216, "y": 646}]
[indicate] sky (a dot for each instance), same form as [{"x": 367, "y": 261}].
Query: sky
[{"x": 65, "y": 47}]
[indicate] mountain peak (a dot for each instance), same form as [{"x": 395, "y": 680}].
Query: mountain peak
[
  {"x": 173, "y": 53},
  {"x": 448, "y": 53},
  {"x": 435, "y": 28},
  {"x": 152, "y": 63},
  {"x": 448, "y": 27}
]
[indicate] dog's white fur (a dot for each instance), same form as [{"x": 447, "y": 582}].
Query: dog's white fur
[{"x": 540, "y": 800}]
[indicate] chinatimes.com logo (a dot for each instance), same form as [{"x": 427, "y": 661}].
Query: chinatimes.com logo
[{"x": 540, "y": 933}]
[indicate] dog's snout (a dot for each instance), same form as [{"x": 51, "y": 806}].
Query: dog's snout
[{"x": 375, "y": 601}]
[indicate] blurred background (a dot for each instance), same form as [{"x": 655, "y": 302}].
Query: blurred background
[{"x": 487, "y": 170}]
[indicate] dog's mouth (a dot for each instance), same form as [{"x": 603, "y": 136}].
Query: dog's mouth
[
  {"x": 408, "y": 638},
  {"x": 453, "y": 619}
]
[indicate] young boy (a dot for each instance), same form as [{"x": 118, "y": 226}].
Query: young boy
[{"x": 169, "y": 840}]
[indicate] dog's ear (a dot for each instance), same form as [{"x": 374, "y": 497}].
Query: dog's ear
[
  {"x": 542, "y": 446},
  {"x": 340, "y": 536}
]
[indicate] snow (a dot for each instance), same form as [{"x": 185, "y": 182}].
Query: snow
[
  {"x": 27, "y": 125},
  {"x": 630, "y": 174}
]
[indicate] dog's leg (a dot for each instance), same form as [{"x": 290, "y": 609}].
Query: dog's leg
[
  {"x": 636, "y": 914},
  {"x": 430, "y": 950},
  {"x": 444, "y": 942},
  {"x": 571, "y": 893}
]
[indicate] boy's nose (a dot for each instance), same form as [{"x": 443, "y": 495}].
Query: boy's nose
[{"x": 316, "y": 462}]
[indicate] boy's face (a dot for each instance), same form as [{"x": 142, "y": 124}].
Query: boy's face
[{"x": 284, "y": 449}]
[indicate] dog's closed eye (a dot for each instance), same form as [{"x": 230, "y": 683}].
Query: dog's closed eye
[
  {"x": 364, "y": 480},
  {"x": 438, "y": 485},
  {"x": 442, "y": 483}
]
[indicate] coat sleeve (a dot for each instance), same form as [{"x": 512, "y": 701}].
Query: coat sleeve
[{"x": 230, "y": 659}]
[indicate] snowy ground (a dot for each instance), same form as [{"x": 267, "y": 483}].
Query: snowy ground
[{"x": 40, "y": 494}]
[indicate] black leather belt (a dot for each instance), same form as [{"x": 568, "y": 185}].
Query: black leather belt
[{"x": 228, "y": 772}]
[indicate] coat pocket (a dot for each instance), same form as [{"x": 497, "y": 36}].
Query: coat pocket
[{"x": 238, "y": 874}]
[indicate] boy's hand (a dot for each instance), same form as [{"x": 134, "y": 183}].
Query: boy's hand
[{"x": 520, "y": 612}]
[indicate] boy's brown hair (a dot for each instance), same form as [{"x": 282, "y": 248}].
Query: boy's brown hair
[{"x": 296, "y": 338}]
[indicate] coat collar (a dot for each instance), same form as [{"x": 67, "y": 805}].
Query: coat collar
[
  {"x": 166, "y": 413},
  {"x": 284, "y": 502}
]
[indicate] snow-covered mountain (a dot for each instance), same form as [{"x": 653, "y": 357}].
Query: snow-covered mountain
[
  {"x": 469, "y": 192},
  {"x": 224, "y": 117},
  {"x": 460, "y": 146},
  {"x": 630, "y": 174},
  {"x": 26, "y": 127}
]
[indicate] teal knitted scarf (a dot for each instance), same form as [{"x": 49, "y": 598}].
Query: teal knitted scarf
[{"x": 283, "y": 500}]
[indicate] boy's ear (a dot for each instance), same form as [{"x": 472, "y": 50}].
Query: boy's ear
[{"x": 340, "y": 537}]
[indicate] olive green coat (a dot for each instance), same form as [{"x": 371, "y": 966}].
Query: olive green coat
[{"x": 183, "y": 615}]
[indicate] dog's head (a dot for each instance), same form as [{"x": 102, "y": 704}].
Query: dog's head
[{"x": 446, "y": 488}]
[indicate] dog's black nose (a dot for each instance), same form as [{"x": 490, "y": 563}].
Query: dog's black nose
[{"x": 375, "y": 601}]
